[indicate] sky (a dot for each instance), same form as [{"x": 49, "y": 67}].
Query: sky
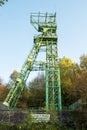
[{"x": 16, "y": 32}]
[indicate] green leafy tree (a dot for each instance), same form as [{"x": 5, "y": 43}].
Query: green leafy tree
[
  {"x": 28, "y": 122},
  {"x": 2, "y": 2},
  {"x": 31, "y": 123}
]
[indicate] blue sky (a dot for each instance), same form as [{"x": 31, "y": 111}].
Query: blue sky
[{"x": 16, "y": 32}]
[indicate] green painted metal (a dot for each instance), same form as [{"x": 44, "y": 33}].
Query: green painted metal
[
  {"x": 18, "y": 86},
  {"x": 46, "y": 25}
]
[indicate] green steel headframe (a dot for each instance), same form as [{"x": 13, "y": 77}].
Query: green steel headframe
[{"x": 46, "y": 25}]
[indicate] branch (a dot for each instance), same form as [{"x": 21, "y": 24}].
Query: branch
[{"x": 2, "y": 2}]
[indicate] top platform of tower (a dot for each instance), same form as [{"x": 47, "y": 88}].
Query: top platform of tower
[{"x": 43, "y": 20}]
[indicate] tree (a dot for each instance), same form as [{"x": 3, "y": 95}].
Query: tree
[
  {"x": 37, "y": 92},
  {"x": 3, "y": 92},
  {"x": 3, "y": 2},
  {"x": 34, "y": 94},
  {"x": 12, "y": 78},
  {"x": 14, "y": 75},
  {"x": 81, "y": 86},
  {"x": 66, "y": 70},
  {"x": 79, "y": 80},
  {"x": 83, "y": 62},
  {"x": 24, "y": 98}
]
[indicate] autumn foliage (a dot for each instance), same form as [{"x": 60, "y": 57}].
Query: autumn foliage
[
  {"x": 3, "y": 92},
  {"x": 73, "y": 85}
]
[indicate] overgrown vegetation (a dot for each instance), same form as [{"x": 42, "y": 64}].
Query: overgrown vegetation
[
  {"x": 30, "y": 123},
  {"x": 73, "y": 84}
]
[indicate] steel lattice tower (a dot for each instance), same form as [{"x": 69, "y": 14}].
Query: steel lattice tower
[{"x": 46, "y": 25}]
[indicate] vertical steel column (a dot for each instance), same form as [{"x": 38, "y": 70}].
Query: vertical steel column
[
  {"x": 46, "y": 24},
  {"x": 53, "y": 89}
]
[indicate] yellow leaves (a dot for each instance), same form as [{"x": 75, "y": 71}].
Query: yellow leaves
[
  {"x": 66, "y": 69},
  {"x": 67, "y": 63},
  {"x": 2, "y": 89},
  {"x": 14, "y": 75}
]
